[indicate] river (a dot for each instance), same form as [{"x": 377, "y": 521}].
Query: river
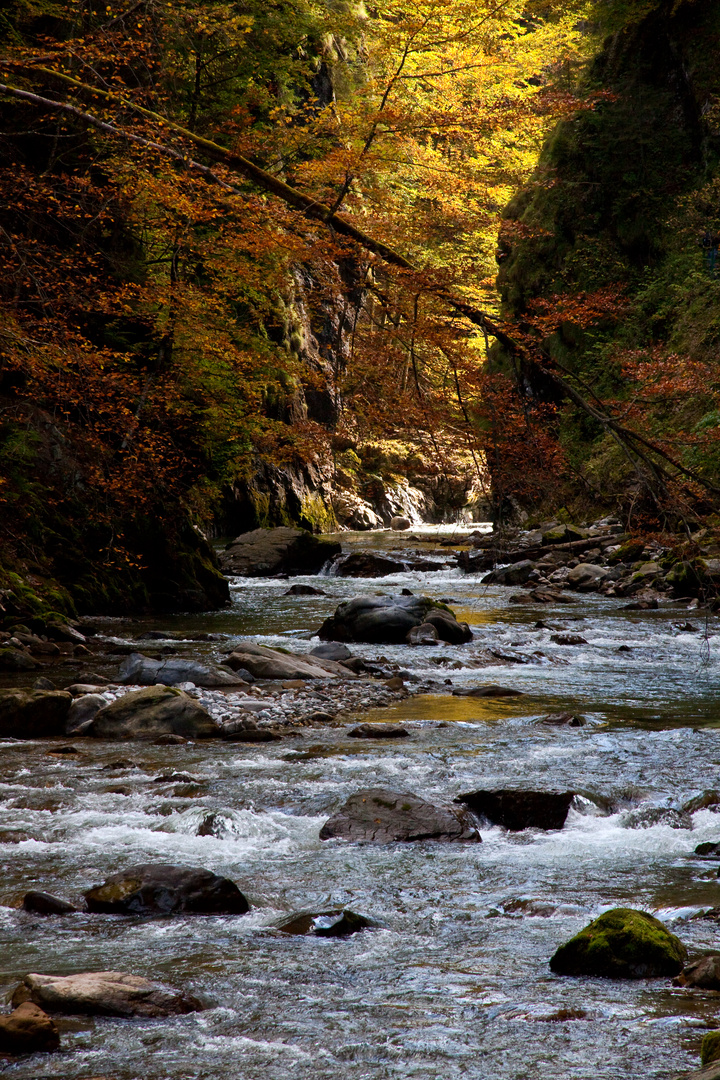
[{"x": 456, "y": 983}]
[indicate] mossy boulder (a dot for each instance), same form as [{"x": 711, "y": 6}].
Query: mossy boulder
[
  {"x": 621, "y": 944},
  {"x": 710, "y": 1048},
  {"x": 683, "y": 579}
]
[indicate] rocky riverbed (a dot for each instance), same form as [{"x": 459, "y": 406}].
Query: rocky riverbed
[{"x": 413, "y": 950}]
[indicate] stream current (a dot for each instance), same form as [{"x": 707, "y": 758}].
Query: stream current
[{"x": 456, "y": 983}]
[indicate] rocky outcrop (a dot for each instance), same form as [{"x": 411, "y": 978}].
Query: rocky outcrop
[
  {"x": 381, "y": 816},
  {"x": 622, "y": 944},
  {"x": 33, "y": 714},
  {"x": 103, "y": 993},
  {"x": 516, "y": 809},
  {"x": 139, "y": 670},
  {"x": 28, "y": 1030},
  {"x": 150, "y": 713},
  {"x": 285, "y": 550},
  {"x": 389, "y": 619},
  {"x": 157, "y": 889}
]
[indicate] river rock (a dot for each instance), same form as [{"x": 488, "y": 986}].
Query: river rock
[
  {"x": 366, "y": 564},
  {"x": 703, "y": 973},
  {"x": 285, "y": 550},
  {"x": 338, "y": 924},
  {"x": 387, "y": 620},
  {"x": 516, "y": 809},
  {"x": 331, "y": 650},
  {"x": 380, "y": 816},
  {"x": 103, "y": 993},
  {"x": 158, "y": 889},
  {"x": 622, "y": 944},
  {"x": 265, "y": 663},
  {"x": 304, "y": 590},
  {"x": 139, "y": 670},
  {"x": 563, "y": 719},
  {"x": 16, "y": 660},
  {"x": 28, "y": 1030},
  {"x": 586, "y": 577},
  {"x": 82, "y": 711},
  {"x": 42, "y": 903},
  {"x": 708, "y": 799},
  {"x": 709, "y": 1072},
  {"x": 149, "y": 713},
  {"x": 489, "y": 690},
  {"x": 33, "y": 714},
  {"x": 568, "y": 639},
  {"x": 378, "y": 731},
  {"x": 400, "y": 524},
  {"x": 425, "y": 634},
  {"x": 514, "y": 574}
]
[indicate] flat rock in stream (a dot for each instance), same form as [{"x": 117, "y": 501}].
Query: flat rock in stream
[
  {"x": 33, "y": 714},
  {"x": 158, "y": 889},
  {"x": 367, "y": 564},
  {"x": 516, "y": 810},
  {"x": 387, "y": 620},
  {"x": 103, "y": 993},
  {"x": 265, "y": 663},
  {"x": 378, "y": 731},
  {"x": 28, "y": 1030},
  {"x": 139, "y": 670},
  {"x": 285, "y": 550},
  {"x": 381, "y": 816},
  {"x": 150, "y": 713},
  {"x": 622, "y": 944},
  {"x": 490, "y": 690}
]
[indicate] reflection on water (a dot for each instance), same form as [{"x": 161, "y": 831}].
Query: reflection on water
[{"x": 458, "y": 985}]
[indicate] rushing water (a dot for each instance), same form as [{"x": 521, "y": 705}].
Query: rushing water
[{"x": 457, "y": 983}]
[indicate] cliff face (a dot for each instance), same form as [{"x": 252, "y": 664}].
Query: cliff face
[{"x": 627, "y": 198}]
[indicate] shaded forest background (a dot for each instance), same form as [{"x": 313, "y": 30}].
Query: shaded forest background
[{"x": 249, "y": 242}]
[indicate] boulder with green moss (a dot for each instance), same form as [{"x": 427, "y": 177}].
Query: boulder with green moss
[
  {"x": 621, "y": 944},
  {"x": 710, "y": 1048}
]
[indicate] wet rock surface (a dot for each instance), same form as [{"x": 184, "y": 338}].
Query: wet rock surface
[
  {"x": 517, "y": 810},
  {"x": 157, "y": 889},
  {"x": 381, "y": 816},
  {"x": 42, "y": 903},
  {"x": 331, "y": 924},
  {"x": 33, "y": 714},
  {"x": 28, "y": 1030}
]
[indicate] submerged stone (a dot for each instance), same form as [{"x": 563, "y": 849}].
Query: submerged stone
[{"x": 339, "y": 923}]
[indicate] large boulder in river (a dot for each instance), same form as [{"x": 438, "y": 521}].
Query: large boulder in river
[
  {"x": 265, "y": 663},
  {"x": 149, "y": 713},
  {"x": 381, "y": 816},
  {"x": 158, "y": 889},
  {"x": 515, "y": 809},
  {"x": 103, "y": 993},
  {"x": 367, "y": 564},
  {"x": 33, "y": 714},
  {"x": 139, "y": 670},
  {"x": 387, "y": 620},
  {"x": 264, "y": 552},
  {"x": 28, "y": 1030},
  {"x": 622, "y": 944}
]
